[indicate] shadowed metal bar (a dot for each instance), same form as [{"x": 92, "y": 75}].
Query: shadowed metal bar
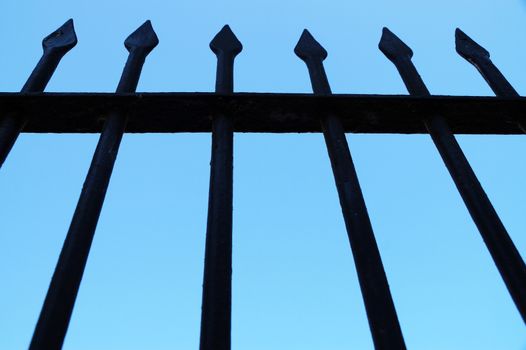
[
  {"x": 480, "y": 58},
  {"x": 217, "y": 281},
  {"x": 55, "y": 46},
  {"x": 60, "y": 299},
  {"x": 501, "y": 247},
  {"x": 381, "y": 313},
  {"x": 173, "y": 112}
]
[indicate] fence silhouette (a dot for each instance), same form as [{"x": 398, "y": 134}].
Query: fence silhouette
[{"x": 222, "y": 113}]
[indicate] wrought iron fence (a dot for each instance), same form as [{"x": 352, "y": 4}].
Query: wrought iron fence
[{"x": 222, "y": 113}]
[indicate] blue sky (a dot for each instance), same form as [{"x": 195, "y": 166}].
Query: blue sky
[{"x": 294, "y": 282}]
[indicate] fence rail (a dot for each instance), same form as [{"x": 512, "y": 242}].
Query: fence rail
[
  {"x": 263, "y": 113},
  {"x": 224, "y": 112}
]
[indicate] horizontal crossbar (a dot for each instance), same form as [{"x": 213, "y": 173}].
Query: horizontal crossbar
[{"x": 262, "y": 112}]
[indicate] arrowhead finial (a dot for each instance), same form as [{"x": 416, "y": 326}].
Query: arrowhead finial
[
  {"x": 393, "y": 47},
  {"x": 143, "y": 38},
  {"x": 226, "y": 42},
  {"x": 308, "y": 47},
  {"x": 467, "y": 47},
  {"x": 62, "y": 39}
]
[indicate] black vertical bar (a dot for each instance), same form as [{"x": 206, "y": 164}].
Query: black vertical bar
[
  {"x": 381, "y": 312},
  {"x": 217, "y": 281},
  {"x": 55, "y": 46},
  {"x": 501, "y": 247},
  {"x": 55, "y": 315}
]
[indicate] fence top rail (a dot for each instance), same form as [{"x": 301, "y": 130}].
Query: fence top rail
[{"x": 263, "y": 112}]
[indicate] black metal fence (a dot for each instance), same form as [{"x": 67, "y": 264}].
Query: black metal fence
[{"x": 222, "y": 113}]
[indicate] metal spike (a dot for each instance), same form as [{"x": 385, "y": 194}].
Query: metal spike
[
  {"x": 480, "y": 58},
  {"x": 56, "y": 312},
  {"x": 400, "y": 54},
  {"x": 64, "y": 38},
  {"x": 379, "y": 305},
  {"x": 55, "y": 46},
  {"x": 226, "y": 47},
  {"x": 468, "y": 48},
  {"x": 139, "y": 43},
  {"x": 308, "y": 48},
  {"x": 393, "y": 47},
  {"x": 225, "y": 42},
  {"x": 501, "y": 247},
  {"x": 313, "y": 54},
  {"x": 143, "y": 38}
]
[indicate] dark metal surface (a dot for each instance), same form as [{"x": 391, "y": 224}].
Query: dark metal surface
[
  {"x": 480, "y": 58},
  {"x": 60, "y": 299},
  {"x": 217, "y": 281},
  {"x": 504, "y": 253},
  {"x": 276, "y": 113},
  {"x": 55, "y": 46},
  {"x": 379, "y": 305}
]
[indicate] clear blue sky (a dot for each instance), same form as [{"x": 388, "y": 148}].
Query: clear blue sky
[{"x": 294, "y": 282}]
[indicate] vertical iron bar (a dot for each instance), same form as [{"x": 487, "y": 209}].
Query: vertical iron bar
[
  {"x": 56, "y": 312},
  {"x": 381, "y": 312},
  {"x": 55, "y": 46},
  {"x": 501, "y": 247},
  {"x": 217, "y": 281}
]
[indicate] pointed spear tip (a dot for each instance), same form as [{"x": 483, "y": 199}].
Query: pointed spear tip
[
  {"x": 308, "y": 47},
  {"x": 225, "y": 41},
  {"x": 459, "y": 33},
  {"x": 62, "y": 39},
  {"x": 143, "y": 37},
  {"x": 467, "y": 47},
  {"x": 393, "y": 47}
]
